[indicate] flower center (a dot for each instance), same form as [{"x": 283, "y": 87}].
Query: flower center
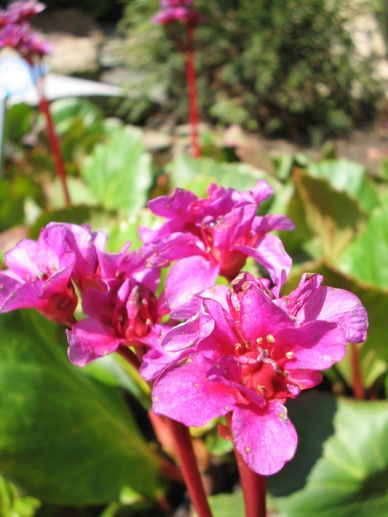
[{"x": 262, "y": 368}]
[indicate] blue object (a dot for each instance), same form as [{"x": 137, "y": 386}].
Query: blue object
[{"x": 16, "y": 76}]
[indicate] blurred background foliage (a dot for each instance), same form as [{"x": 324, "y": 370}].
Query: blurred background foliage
[{"x": 286, "y": 67}]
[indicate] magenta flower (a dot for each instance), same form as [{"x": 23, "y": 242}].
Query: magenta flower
[
  {"x": 261, "y": 351},
  {"x": 120, "y": 305},
  {"x": 24, "y": 10},
  {"x": 177, "y": 11},
  {"x": 41, "y": 273},
  {"x": 214, "y": 236},
  {"x": 16, "y": 32}
]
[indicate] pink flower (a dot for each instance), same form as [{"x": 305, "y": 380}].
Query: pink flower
[
  {"x": 214, "y": 236},
  {"x": 16, "y": 32},
  {"x": 24, "y": 10},
  {"x": 261, "y": 351},
  {"x": 41, "y": 273},
  {"x": 120, "y": 305},
  {"x": 177, "y": 11}
]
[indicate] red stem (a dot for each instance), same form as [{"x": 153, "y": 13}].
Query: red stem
[
  {"x": 44, "y": 107},
  {"x": 191, "y": 79},
  {"x": 183, "y": 446},
  {"x": 188, "y": 463},
  {"x": 253, "y": 485},
  {"x": 357, "y": 383}
]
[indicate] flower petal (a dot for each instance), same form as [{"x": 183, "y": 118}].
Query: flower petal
[
  {"x": 184, "y": 393},
  {"x": 341, "y": 307},
  {"x": 188, "y": 277},
  {"x": 259, "y": 314},
  {"x": 270, "y": 253},
  {"x": 317, "y": 345},
  {"x": 188, "y": 333},
  {"x": 266, "y": 440},
  {"x": 89, "y": 339}
]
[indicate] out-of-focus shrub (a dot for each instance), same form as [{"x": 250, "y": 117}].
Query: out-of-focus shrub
[{"x": 282, "y": 67}]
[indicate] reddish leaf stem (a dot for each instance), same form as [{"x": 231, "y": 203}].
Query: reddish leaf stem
[
  {"x": 44, "y": 107},
  {"x": 191, "y": 79},
  {"x": 357, "y": 383},
  {"x": 253, "y": 485},
  {"x": 189, "y": 467}
]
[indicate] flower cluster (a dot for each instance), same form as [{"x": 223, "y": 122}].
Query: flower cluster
[
  {"x": 16, "y": 32},
  {"x": 177, "y": 11},
  {"x": 208, "y": 350}
]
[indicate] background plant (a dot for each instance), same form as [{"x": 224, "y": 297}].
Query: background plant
[{"x": 280, "y": 67}]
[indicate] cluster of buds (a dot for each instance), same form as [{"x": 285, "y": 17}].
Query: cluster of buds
[
  {"x": 238, "y": 349},
  {"x": 16, "y": 31}
]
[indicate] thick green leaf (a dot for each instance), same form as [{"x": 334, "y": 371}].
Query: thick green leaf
[
  {"x": 197, "y": 174},
  {"x": 128, "y": 230},
  {"x": 366, "y": 257},
  {"x": 347, "y": 176},
  {"x": 341, "y": 465},
  {"x": 65, "y": 111},
  {"x": 119, "y": 171},
  {"x": 332, "y": 215},
  {"x": 64, "y": 437},
  {"x": 18, "y": 122},
  {"x": 227, "y": 505},
  {"x": 115, "y": 371}
]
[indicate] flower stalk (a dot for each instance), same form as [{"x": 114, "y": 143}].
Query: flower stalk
[
  {"x": 44, "y": 107},
  {"x": 254, "y": 486},
  {"x": 357, "y": 382},
  {"x": 191, "y": 79},
  {"x": 188, "y": 463},
  {"x": 183, "y": 447}
]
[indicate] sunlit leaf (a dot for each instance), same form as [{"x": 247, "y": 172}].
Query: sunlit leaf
[
  {"x": 64, "y": 437},
  {"x": 118, "y": 172},
  {"x": 341, "y": 464}
]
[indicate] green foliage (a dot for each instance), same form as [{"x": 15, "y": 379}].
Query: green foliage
[
  {"x": 64, "y": 437},
  {"x": 118, "y": 172},
  {"x": 227, "y": 505},
  {"x": 18, "y": 122},
  {"x": 366, "y": 257},
  {"x": 197, "y": 174},
  {"x": 285, "y": 67},
  {"x": 341, "y": 464}
]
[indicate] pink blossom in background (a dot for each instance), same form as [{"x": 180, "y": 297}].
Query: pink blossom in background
[
  {"x": 24, "y": 10},
  {"x": 16, "y": 32},
  {"x": 177, "y": 11},
  {"x": 214, "y": 236},
  {"x": 260, "y": 351}
]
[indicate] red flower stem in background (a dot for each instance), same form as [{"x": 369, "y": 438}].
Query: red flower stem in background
[
  {"x": 253, "y": 485},
  {"x": 192, "y": 91},
  {"x": 44, "y": 107},
  {"x": 357, "y": 384},
  {"x": 188, "y": 463}
]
